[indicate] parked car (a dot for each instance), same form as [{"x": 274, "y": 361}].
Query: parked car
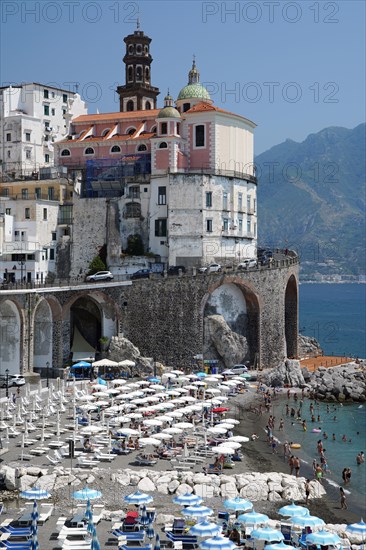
[
  {"x": 245, "y": 264},
  {"x": 174, "y": 269},
  {"x": 141, "y": 274},
  {"x": 13, "y": 380},
  {"x": 212, "y": 268},
  {"x": 100, "y": 276},
  {"x": 239, "y": 369}
]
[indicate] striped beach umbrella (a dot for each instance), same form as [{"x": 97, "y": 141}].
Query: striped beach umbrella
[
  {"x": 205, "y": 529},
  {"x": 34, "y": 541},
  {"x": 86, "y": 494},
  {"x": 323, "y": 538},
  {"x": 238, "y": 503},
  {"x": 267, "y": 533},
  {"x": 150, "y": 533},
  {"x": 36, "y": 493},
  {"x": 357, "y": 528},
  {"x": 95, "y": 542},
  {"x": 88, "y": 511},
  {"x": 307, "y": 521},
  {"x": 291, "y": 510},
  {"x": 252, "y": 518},
  {"x": 138, "y": 498},
  {"x": 188, "y": 499},
  {"x": 217, "y": 543},
  {"x": 157, "y": 542},
  {"x": 144, "y": 520},
  {"x": 197, "y": 511},
  {"x": 35, "y": 514}
]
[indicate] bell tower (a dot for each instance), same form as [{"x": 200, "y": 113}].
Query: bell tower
[{"x": 137, "y": 94}]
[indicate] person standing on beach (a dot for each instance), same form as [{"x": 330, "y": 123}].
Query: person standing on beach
[
  {"x": 307, "y": 490},
  {"x": 343, "y": 499},
  {"x": 318, "y": 473},
  {"x": 296, "y": 463},
  {"x": 286, "y": 450},
  {"x": 291, "y": 464},
  {"x": 282, "y": 423}
]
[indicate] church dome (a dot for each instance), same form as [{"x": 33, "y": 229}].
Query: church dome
[
  {"x": 169, "y": 112},
  {"x": 194, "y": 91}
]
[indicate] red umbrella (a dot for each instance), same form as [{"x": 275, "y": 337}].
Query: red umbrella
[{"x": 220, "y": 409}]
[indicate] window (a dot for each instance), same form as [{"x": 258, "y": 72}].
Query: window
[
  {"x": 134, "y": 192},
  {"x": 240, "y": 225},
  {"x": 147, "y": 75},
  {"x": 153, "y": 130},
  {"x": 45, "y": 213},
  {"x": 89, "y": 151},
  {"x": 116, "y": 149},
  {"x": 255, "y": 229},
  {"x": 105, "y": 132},
  {"x": 248, "y": 203},
  {"x": 138, "y": 74},
  {"x": 28, "y": 154},
  {"x": 240, "y": 201},
  {"x": 64, "y": 98},
  {"x": 47, "y": 158},
  {"x": 52, "y": 253},
  {"x": 24, "y": 193},
  {"x": 5, "y": 192},
  {"x": 164, "y": 128},
  {"x": 163, "y": 145},
  {"x": 148, "y": 106},
  {"x": 224, "y": 201},
  {"x": 46, "y": 125},
  {"x": 208, "y": 199},
  {"x": 46, "y": 110},
  {"x": 23, "y": 236},
  {"x": 132, "y": 210},
  {"x": 131, "y": 131},
  {"x": 53, "y": 235},
  {"x": 161, "y": 195},
  {"x": 225, "y": 224},
  {"x": 16, "y": 236},
  {"x": 27, "y": 136},
  {"x": 186, "y": 107},
  {"x": 65, "y": 215},
  {"x": 248, "y": 226},
  {"x": 53, "y": 112},
  {"x": 51, "y": 193},
  {"x": 139, "y": 49},
  {"x": 130, "y": 49},
  {"x": 178, "y": 128},
  {"x": 27, "y": 213},
  {"x": 46, "y": 138},
  {"x": 160, "y": 227},
  {"x": 8, "y": 154},
  {"x": 142, "y": 148},
  {"x": 8, "y": 211},
  {"x": 8, "y": 137},
  {"x": 200, "y": 135},
  {"x": 209, "y": 226},
  {"x": 130, "y": 73},
  {"x": 65, "y": 153},
  {"x": 37, "y": 192},
  {"x": 53, "y": 94},
  {"x": 254, "y": 205},
  {"x": 130, "y": 105},
  {"x": 64, "y": 112},
  {"x": 45, "y": 94}
]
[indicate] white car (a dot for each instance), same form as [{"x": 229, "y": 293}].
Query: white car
[
  {"x": 212, "y": 268},
  {"x": 13, "y": 380},
  {"x": 245, "y": 264},
  {"x": 100, "y": 276},
  {"x": 239, "y": 369}
]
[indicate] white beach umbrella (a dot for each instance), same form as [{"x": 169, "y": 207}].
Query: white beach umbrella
[
  {"x": 231, "y": 444},
  {"x": 232, "y": 421},
  {"x": 118, "y": 381},
  {"x": 128, "y": 431},
  {"x": 217, "y": 430},
  {"x": 175, "y": 414},
  {"x": 126, "y": 363},
  {"x": 152, "y": 422},
  {"x": 223, "y": 450},
  {"x": 184, "y": 425},
  {"x": 163, "y": 436},
  {"x": 149, "y": 441},
  {"x": 173, "y": 431},
  {"x": 239, "y": 438}
]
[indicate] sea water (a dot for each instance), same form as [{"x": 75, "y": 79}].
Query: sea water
[
  {"x": 335, "y": 314},
  {"x": 346, "y": 420}
]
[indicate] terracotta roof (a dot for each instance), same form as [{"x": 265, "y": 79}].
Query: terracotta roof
[
  {"x": 114, "y": 117},
  {"x": 204, "y": 107},
  {"x": 125, "y": 137}
]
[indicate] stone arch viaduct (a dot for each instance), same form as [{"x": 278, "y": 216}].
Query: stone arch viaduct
[{"x": 163, "y": 317}]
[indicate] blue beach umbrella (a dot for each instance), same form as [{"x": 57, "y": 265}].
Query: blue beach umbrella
[
  {"x": 34, "y": 541},
  {"x": 150, "y": 533},
  {"x": 86, "y": 494},
  {"x": 138, "y": 498},
  {"x": 36, "y": 493},
  {"x": 95, "y": 542},
  {"x": 279, "y": 546},
  {"x": 88, "y": 511},
  {"x": 154, "y": 380},
  {"x": 188, "y": 499},
  {"x": 157, "y": 542},
  {"x": 217, "y": 543},
  {"x": 323, "y": 538},
  {"x": 82, "y": 364},
  {"x": 252, "y": 518},
  {"x": 307, "y": 521},
  {"x": 201, "y": 374},
  {"x": 35, "y": 514},
  {"x": 197, "y": 511},
  {"x": 357, "y": 528},
  {"x": 143, "y": 519},
  {"x": 267, "y": 533},
  {"x": 238, "y": 503},
  {"x": 90, "y": 528},
  {"x": 205, "y": 529},
  {"x": 291, "y": 510}
]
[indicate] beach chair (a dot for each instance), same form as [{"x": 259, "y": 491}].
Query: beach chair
[{"x": 52, "y": 460}]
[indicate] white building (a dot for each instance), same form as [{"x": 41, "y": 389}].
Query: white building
[{"x": 33, "y": 117}]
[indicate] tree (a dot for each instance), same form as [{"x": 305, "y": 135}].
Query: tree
[
  {"x": 135, "y": 246},
  {"x": 95, "y": 265}
]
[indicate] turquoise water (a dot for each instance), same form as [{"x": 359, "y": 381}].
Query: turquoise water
[
  {"x": 349, "y": 420},
  {"x": 335, "y": 314}
]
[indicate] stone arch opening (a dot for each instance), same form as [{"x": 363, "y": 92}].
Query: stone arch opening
[
  {"x": 42, "y": 336},
  {"x": 291, "y": 317},
  {"x": 10, "y": 337},
  {"x": 85, "y": 327},
  {"x": 231, "y": 324}
]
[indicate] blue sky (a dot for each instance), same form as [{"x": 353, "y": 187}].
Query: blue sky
[{"x": 291, "y": 67}]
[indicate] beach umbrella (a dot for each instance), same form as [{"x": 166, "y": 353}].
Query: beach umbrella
[
  {"x": 238, "y": 438},
  {"x": 35, "y": 515},
  {"x": 279, "y": 546},
  {"x": 36, "y": 493},
  {"x": 217, "y": 542},
  {"x": 138, "y": 498},
  {"x": 188, "y": 499},
  {"x": 223, "y": 450},
  {"x": 205, "y": 529},
  {"x": 307, "y": 521},
  {"x": 172, "y": 431},
  {"x": 323, "y": 538},
  {"x": 34, "y": 541},
  {"x": 143, "y": 519},
  {"x": 238, "y": 503},
  {"x": 184, "y": 425},
  {"x": 162, "y": 436},
  {"x": 267, "y": 533},
  {"x": 150, "y": 533},
  {"x": 157, "y": 542},
  {"x": 357, "y": 528},
  {"x": 230, "y": 444},
  {"x": 86, "y": 494},
  {"x": 197, "y": 511},
  {"x": 201, "y": 374},
  {"x": 152, "y": 422},
  {"x": 149, "y": 441},
  {"x": 95, "y": 542},
  {"x": 252, "y": 518},
  {"x": 88, "y": 511},
  {"x": 291, "y": 510}
]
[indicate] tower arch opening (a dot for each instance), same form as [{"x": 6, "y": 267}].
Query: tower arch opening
[
  {"x": 85, "y": 328},
  {"x": 42, "y": 336},
  {"x": 291, "y": 317},
  {"x": 10, "y": 337}
]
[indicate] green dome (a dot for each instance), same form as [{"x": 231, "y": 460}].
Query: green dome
[
  {"x": 169, "y": 112},
  {"x": 194, "y": 91}
]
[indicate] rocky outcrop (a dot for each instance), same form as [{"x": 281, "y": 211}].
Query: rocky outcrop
[
  {"x": 308, "y": 346},
  {"x": 342, "y": 383},
  {"x": 288, "y": 373},
  {"x": 228, "y": 346},
  {"x": 121, "y": 348}
]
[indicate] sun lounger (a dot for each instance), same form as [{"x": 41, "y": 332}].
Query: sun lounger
[
  {"x": 45, "y": 512},
  {"x": 104, "y": 457},
  {"x": 84, "y": 462},
  {"x": 135, "y": 536}
]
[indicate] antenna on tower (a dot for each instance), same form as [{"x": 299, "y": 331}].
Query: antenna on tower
[{"x": 138, "y": 23}]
